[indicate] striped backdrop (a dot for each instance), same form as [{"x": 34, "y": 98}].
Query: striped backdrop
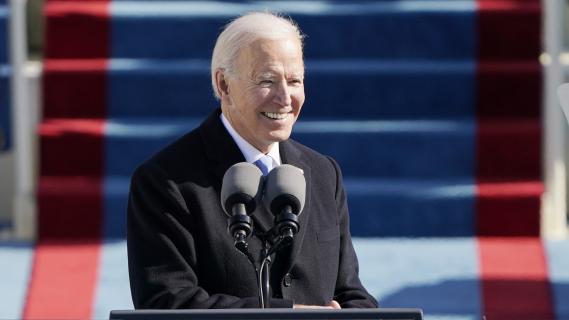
[{"x": 441, "y": 100}]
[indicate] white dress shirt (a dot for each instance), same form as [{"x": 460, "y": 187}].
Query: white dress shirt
[{"x": 251, "y": 153}]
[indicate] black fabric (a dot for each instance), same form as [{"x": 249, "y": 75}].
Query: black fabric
[{"x": 181, "y": 255}]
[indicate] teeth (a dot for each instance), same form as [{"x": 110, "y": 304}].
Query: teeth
[{"x": 276, "y": 116}]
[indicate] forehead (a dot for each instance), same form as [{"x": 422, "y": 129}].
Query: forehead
[{"x": 278, "y": 55}]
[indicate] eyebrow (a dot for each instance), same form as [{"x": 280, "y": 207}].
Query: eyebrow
[
  {"x": 269, "y": 74},
  {"x": 266, "y": 75}
]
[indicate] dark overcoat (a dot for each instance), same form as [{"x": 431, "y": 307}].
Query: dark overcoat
[{"x": 179, "y": 251}]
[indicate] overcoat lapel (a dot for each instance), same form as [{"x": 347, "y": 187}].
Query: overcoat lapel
[
  {"x": 222, "y": 152},
  {"x": 291, "y": 155}
]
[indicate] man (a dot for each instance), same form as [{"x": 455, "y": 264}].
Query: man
[{"x": 180, "y": 253}]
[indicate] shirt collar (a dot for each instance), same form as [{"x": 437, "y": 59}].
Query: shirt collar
[{"x": 251, "y": 153}]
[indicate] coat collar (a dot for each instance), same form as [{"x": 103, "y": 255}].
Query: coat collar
[{"x": 221, "y": 151}]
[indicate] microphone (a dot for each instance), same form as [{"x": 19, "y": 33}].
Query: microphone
[
  {"x": 285, "y": 191},
  {"x": 240, "y": 190}
]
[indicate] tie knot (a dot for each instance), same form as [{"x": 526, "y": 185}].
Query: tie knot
[{"x": 265, "y": 163}]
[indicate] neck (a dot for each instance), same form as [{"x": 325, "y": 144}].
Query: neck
[{"x": 237, "y": 135}]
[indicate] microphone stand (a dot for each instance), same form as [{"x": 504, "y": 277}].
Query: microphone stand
[
  {"x": 265, "y": 275},
  {"x": 285, "y": 228},
  {"x": 263, "y": 272}
]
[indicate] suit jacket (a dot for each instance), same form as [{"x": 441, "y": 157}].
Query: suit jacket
[{"x": 181, "y": 255}]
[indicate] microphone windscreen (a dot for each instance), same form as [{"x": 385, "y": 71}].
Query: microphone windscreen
[
  {"x": 242, "y": 183},
  {"x": 285, "y": 185}
]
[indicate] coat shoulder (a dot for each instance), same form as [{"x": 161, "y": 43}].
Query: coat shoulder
[
  {"x": 317, "y": 160},
  {"x": 180, "y": 155}
]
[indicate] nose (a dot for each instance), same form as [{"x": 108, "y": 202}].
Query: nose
[{"x": 283, "y": 95}]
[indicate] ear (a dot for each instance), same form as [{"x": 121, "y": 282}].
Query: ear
[{"x": 222, "y": 86}]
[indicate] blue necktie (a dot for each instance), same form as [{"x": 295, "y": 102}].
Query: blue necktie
[{"x": 265, "y": 163}]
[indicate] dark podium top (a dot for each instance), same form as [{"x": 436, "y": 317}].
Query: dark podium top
[{"x": 269, "y": 314}]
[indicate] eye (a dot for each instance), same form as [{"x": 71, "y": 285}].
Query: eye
[
  {"x": 266, "y": 82},
  {"x": 295, "y": 81}
]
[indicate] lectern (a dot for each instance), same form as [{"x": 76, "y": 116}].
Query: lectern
[{"x": 270, "y": 314}]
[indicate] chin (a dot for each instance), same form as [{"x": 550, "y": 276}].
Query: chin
[{"x": 279, "y": 137}]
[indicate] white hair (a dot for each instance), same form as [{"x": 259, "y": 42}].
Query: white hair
[{"x": 242, "y": 32}]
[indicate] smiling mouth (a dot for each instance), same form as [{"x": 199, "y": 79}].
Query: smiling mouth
[{"x": 275, "y": 115}]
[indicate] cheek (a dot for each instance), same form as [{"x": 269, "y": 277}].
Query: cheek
[
  {"x": 298, "y": 99},
  {"x": 263, "y": 93},
  {"x": 259, "y": 97}
]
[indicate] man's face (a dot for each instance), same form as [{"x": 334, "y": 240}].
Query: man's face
[{"x": 265, "y": 96}]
